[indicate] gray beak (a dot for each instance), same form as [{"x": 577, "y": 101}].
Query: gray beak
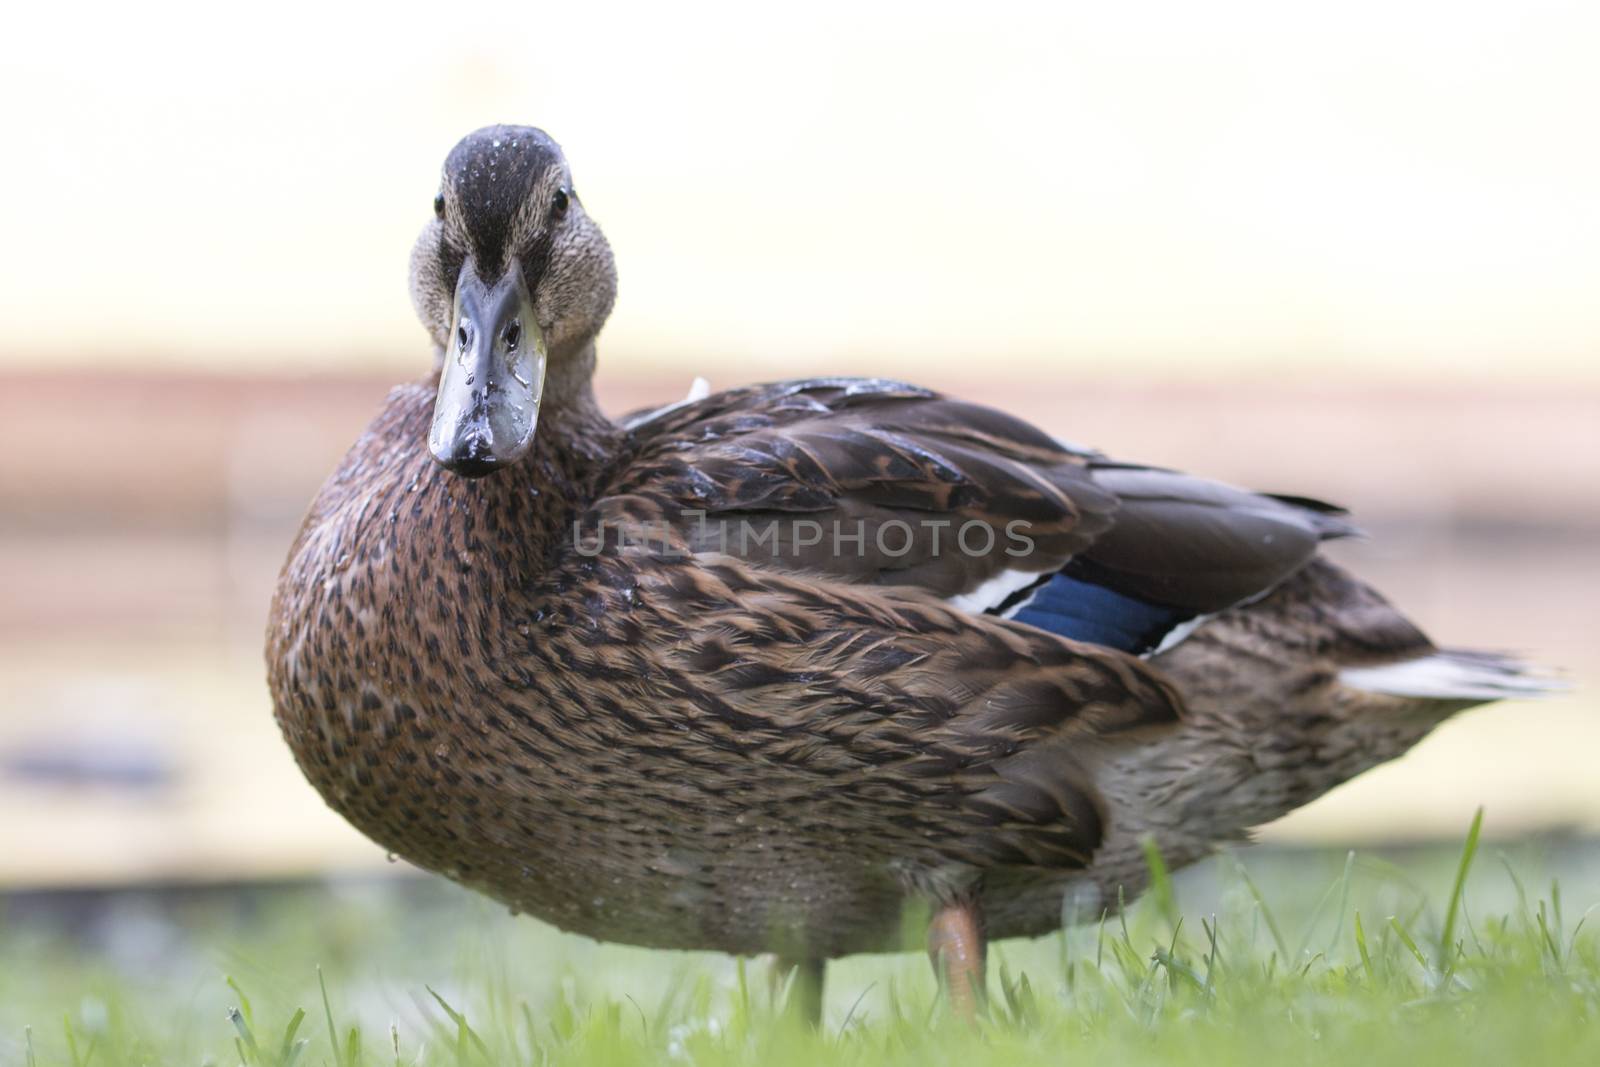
[{"x": 493, "y": 376}]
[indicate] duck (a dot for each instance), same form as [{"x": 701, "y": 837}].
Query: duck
[{"x": 774, "y": 668}]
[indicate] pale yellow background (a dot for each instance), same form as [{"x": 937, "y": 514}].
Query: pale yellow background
[{"x": 1409, "y": 188}]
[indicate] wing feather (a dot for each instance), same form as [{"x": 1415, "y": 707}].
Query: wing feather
[{"x": 877, "y": 481}]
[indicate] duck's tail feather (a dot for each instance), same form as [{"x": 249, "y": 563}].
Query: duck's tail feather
[{"x": 1455, "y": 674}]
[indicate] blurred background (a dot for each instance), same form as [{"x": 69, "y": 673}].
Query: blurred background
[{"x": 1350, "y": 251}]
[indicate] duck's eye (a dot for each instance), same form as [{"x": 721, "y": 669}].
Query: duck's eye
[
  {"x": 559, "y": 205},
  {"x": 438, "y": 206}
]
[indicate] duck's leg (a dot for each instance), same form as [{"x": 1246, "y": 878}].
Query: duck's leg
[
  {"x": 957, "y": 949},
  {"x": 805, "y": 991}
]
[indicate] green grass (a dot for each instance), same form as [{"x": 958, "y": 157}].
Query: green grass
[{"x": 1457, "y": 956}]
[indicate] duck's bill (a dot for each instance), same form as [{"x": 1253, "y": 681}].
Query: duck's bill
[{"x": 493, "y": 376}]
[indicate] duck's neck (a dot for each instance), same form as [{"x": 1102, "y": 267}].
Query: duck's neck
[
  {"x": 525, "y": 513},
  {"x": 569, "y": 389},
  {"x": 572, "y": 428}
]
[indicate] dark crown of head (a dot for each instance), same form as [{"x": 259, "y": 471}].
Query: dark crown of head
[{"x": 492, "y": 171}]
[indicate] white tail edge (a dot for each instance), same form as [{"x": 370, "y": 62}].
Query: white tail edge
[
  {"x": 1452, "y": 674},
  {"x": 1455, "y": 675}
]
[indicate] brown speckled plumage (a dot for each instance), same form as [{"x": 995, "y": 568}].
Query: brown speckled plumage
[{"x": 557, "y": 685}]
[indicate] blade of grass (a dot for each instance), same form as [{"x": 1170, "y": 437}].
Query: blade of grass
[
  {"x": 1212, "y": 953},
  {"x": 1265, "y": 912},
  {"x": 1548, "y": 938},
  {"x": 1447, "y": 939},
  {"x": 1316, "y": 917},
  {"x": 327, "y": 1010},
  {"x": 465, "y": 1034},
  {"x": 1361, "y": 947},
  {"x": 1406, "y": 940},
  {"x": 851, "y": 1014},
  {"x": 1344, "y": 900},
  {"x": 72, "y": 1041},
  {"x": 249, "y": 1053},
  {"x": 244, "y": 1001},
  {"x": 1161, "y": 890},
  {"x": 290, "y": 1050}
]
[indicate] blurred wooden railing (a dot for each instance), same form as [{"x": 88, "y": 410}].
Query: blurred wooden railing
[{"x": 143, "y": 519}]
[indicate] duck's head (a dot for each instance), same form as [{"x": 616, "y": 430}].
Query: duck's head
[{"x": 513, "y": 280}]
